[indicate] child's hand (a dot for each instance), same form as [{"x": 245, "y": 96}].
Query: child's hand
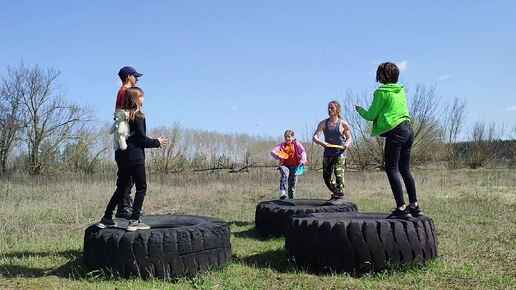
[
  {"x": 162, "y": 141},
  {"x": 357, "y": 107}
]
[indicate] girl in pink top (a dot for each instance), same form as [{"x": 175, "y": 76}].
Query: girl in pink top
[{"x": 290, "y": 155}]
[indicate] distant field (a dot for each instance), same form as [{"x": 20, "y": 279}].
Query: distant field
[{"x": 42, "y": 222}]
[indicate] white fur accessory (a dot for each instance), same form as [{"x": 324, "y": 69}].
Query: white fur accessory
[{"x": 120, "y": 130}]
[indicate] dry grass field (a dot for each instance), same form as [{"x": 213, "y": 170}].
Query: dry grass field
[{"x": 42, "y": 222}]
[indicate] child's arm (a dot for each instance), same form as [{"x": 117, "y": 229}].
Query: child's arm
[
  {"x": 374, "y": 109},
  {"x": 303, "y": 153},
  {"x": 275, "y": 151},
  {"x": 317, "y": 132},
  {"x": 140, "y": 138}
]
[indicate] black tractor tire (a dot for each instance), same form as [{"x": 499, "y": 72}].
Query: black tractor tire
[
  {"x": 272, "y": 217},
  {"x": 359, "y": 242},
  {"x": 175, "y": 246}
]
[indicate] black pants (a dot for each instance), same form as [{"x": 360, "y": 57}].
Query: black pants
[
  {"x": 398, "y": 144},
  {"x": 125, "y": 173},
  {"x": 126, "y": 203}
]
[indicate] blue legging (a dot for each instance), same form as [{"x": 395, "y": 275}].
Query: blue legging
[{"x": 288, "y": 173}]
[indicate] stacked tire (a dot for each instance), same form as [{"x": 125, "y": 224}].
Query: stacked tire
[
  {"x": 176, "y": 245},
  {"x": 359, "y": 242},
  {"x": 273, "y": 217}
]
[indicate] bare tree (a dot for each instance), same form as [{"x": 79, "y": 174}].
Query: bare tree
[
  {"x": 85, "y": 153},
  {"x": 452, "y": 126},
  {"x": 313, "y": 151},
  {"x": 426, "y": 112},
  {"x": 172, "y": 157},
  {"x": 49, "y": 118},
  {"x": 485, "y": 146},
  {"x": 11, "y": 124},
  {"x": 228, "y": 150}
]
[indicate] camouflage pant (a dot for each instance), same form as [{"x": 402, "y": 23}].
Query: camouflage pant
[{"x": 335, "y": 165}]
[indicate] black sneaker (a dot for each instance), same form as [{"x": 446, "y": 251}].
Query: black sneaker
[
  {"x": 415, "y": 212},
  {"x": 337, "y": 198},
  {"x": 106, "y": 223},
  {"x": 400, "y": 214},
  {"x": 124, "y": 213},
  {"x": 135, "y": 225}
]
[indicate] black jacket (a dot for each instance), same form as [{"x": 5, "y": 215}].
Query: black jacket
[{"x": 136, "y": 143}]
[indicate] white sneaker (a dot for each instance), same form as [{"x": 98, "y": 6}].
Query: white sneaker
[
  {"x": 135, "y": 225},
  {"x": 282, "y": 194}
]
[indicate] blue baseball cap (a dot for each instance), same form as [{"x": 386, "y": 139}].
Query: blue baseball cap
[{"x": 128, "y": 71}]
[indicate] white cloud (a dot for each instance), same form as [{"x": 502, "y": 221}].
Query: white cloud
[
  {"x": 511, "y": 109},
  {"x": 443, "y": 77},
  {"x": 402, "y": 65}
]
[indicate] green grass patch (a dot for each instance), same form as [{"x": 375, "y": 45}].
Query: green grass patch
[{"x": 43, "y": 221}]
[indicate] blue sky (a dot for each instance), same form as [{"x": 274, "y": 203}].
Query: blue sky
[{"x": 260, "y": 67}]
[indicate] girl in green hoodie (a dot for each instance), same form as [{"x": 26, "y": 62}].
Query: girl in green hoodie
[{"x": 391, "y": 120}]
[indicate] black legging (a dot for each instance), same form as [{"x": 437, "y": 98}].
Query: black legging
[
  {"x": 125, "y": 172},
  {"x": 127, "y": 201},
  {"x": 398, "y": 144}
]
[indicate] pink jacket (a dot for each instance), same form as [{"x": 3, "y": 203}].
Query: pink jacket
[{"x": 300, "y": 150}]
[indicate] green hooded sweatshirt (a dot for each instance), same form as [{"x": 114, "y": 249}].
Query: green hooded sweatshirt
[{"x": 389, "y": 108}]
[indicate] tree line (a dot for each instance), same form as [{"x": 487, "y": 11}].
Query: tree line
[{"x": 44, "y": 132}]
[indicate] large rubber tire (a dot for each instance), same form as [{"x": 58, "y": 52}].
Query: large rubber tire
[
  {"x": 359, "y": 242},
  {"x": 175, "y": 246},
  {"x": 272, "y": 217}
]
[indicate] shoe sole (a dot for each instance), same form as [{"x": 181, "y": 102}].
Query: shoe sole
[
  {"x": 399, "y": 218},
  {"x": 103, "y": 226},
  {"x": 416, "y": 215},
  {"x": 133, "y": 229},
  {"x": 336, "y": 198}
]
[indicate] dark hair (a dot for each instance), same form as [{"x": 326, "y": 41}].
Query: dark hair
[{"x": 387, "y": 72}]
